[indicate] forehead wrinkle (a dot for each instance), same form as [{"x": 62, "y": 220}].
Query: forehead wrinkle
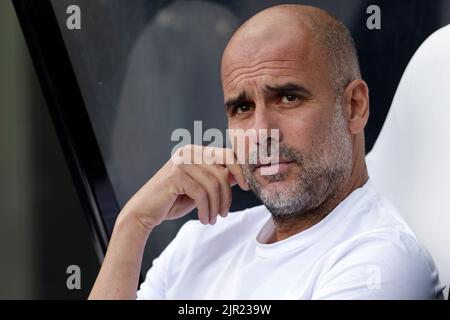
[
  {"x": 253, "y": 72},
  {"x": 263, "y": 74},
  {"x": 253, "y": 64}
]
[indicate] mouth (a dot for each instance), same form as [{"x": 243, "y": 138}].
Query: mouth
[
  {"x": 272, "y": 163},
  {"x": 273, "y": 167}
]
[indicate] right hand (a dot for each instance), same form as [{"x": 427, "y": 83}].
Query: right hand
[{"x": 176, "y": 189}]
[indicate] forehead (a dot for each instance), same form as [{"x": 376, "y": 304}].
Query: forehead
[
  {"x": 271, "y": 57},
  {"x": 273, "y": 41}
]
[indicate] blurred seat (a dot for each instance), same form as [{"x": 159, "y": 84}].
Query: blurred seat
[{"x": 410, "y": 161}]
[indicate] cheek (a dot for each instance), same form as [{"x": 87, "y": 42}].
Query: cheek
[
  {"x": 233, "y": 133},
  {"x": 241, "y": 122},
  {"x": 303, "y": 130},
  {"x": 233, "y": 124}
]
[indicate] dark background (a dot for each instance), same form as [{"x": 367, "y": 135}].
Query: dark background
[{"x": 43, "y": 229}]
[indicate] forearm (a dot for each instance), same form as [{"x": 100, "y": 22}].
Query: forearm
[{"x": 119, "y": 275}]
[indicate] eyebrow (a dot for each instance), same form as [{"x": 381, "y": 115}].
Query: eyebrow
[
  {"x": 242, "y": 97},
  {"x": 286, "y": 87},
  {"x": 289, "y": 87}
]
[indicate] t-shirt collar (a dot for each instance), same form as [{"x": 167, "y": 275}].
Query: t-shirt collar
[{"x": 307, "y": 237}]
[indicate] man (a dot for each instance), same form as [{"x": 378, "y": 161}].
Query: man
[{"x": 323, "y": 232}]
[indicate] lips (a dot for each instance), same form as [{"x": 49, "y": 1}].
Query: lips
[{"x": 259, "y": 164}]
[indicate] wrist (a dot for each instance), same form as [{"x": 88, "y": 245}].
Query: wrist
[{"x": 127, "y": 220}]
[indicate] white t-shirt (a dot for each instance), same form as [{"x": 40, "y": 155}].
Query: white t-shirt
[{"x": 361, "y": 250}]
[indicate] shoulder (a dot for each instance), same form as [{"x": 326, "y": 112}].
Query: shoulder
[
  {"x": 385, "y": 263},
  {"x": 377, "y": 257}
]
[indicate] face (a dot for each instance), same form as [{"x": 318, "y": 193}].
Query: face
[{"x": 279, "y": 80}]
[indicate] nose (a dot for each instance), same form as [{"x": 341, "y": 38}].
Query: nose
[{"x": 267, "y": 126}]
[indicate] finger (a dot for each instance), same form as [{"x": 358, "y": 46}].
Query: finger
[
  {"x": 198, "y": 193},
  {"x": 226, "y": 158},
  {"x": 210, "y": 183},
  {"x": 235, "y": 170},
  {"x": 222, "y": 174}
]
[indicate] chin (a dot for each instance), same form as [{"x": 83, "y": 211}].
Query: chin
[{"x": 277, "y": 190}]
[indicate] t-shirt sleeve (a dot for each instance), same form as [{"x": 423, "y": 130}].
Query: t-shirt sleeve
[
  {"x": 377, "y": 268},
  {"x": 157, "y": 277}
]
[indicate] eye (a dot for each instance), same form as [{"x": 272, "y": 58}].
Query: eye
[
  {"x": 289, "y": 98},
  {"x": 242, "y": 108}
]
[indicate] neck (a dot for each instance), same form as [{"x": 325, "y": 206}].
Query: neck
[{"x": 286, "y": 227}]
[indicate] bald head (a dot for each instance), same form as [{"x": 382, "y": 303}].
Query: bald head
[{"x": 311, "y": 31}]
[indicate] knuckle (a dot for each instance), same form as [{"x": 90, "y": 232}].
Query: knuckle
[
  {"x": 225, "y": 172},
  {"x": 200, "y": 193},
  {"x": 215, "y": 185},
  {"x": 173, "y": 173}
]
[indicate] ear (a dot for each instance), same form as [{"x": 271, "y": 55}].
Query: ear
[{"x": 356, "y": 100}]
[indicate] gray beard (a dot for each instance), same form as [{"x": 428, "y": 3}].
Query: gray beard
[{"x": 319, "y": 177}]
